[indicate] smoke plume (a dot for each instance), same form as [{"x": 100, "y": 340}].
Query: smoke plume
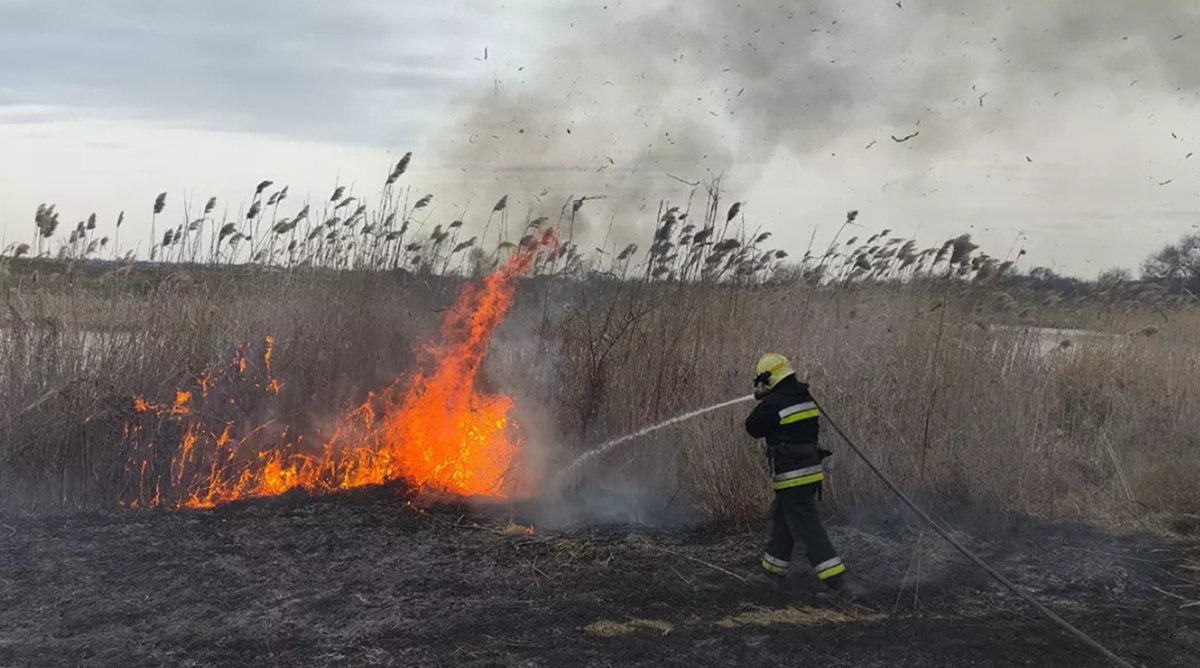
[{"x": 634, "y": 94}]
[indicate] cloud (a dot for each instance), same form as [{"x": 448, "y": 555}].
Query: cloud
[
  {"x": 792, "y": 102},
  {"x": 356, "y": 70}
]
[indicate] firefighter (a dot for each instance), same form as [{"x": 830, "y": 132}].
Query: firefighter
[{"x": 787, "y": 418}]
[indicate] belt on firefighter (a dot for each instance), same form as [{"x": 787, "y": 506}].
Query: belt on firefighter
[
  {"x": 798, "y": 412},
  {"x": 795, "y": 478},
  {"x": 829, "y": 568}
]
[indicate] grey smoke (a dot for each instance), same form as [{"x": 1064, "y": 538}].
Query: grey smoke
[
  {"x": 712, "y": 87},
  {"x": 635, "y": 485}
]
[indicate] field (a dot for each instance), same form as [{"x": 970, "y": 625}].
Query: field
[
  {"x": 205, "y": 462},
  {"x": 361, "y": 579}
]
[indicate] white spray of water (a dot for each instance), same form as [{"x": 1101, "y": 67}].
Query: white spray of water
[{"x": 607, "y": 446}]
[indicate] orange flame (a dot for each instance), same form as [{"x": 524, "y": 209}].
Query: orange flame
[
  {"x": 436, "y": 430},
  {"x": 445, "y": 434}
]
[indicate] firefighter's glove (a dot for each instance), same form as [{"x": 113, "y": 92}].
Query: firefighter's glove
[{"x": 760, "y": 385}]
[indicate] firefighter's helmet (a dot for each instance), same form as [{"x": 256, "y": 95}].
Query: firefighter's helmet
[{"x": 771, "y": 369}]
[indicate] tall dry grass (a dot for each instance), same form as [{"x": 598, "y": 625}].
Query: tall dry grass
[
  {"x": 965, "y": 414},
  {"x": 925, "y": 355},
  {"x": 962, "y": 412},
  {"x": 73, "y": 360}
]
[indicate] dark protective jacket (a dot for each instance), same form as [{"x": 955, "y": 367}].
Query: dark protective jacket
[{"x": 787, "y": 418}]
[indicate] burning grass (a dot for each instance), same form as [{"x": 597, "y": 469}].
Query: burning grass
[{"x": 434, "y": 429}]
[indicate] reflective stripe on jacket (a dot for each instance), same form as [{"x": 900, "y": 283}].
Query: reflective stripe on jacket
[{"x": 787, "y": 418}]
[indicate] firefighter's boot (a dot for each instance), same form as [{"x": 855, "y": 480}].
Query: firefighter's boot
[
  {"x": 764, "y": 581},
  {"x": 840, "y": 588}
]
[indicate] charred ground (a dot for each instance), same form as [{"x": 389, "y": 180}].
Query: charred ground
[{"x": 366, "y": 578}]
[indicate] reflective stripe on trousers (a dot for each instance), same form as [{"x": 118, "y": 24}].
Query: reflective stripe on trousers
[
  {"x": 829, "y": 568},
  {"x": 797, "y": 477},
  {"x": 773, "y": 565}
]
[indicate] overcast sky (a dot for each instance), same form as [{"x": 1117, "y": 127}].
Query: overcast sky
[{"x": 1067, "y": 122}]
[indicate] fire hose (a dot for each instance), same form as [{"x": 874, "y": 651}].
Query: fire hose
[
  {"x": 941, "y": 531},
  {"x": 895, "y": 489},
  {"x": 925, "y": 517}
]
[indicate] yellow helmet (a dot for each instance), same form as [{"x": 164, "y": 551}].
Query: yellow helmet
[{"x": 771, "y": 369}]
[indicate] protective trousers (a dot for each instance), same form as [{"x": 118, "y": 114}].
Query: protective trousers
[{"x": 794, "y": 518}]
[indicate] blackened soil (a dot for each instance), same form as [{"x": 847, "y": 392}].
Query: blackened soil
[{"x": 366, "y": 579}]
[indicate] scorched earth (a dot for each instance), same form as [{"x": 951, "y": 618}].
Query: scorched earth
[{"x": 376, "y": 577}]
